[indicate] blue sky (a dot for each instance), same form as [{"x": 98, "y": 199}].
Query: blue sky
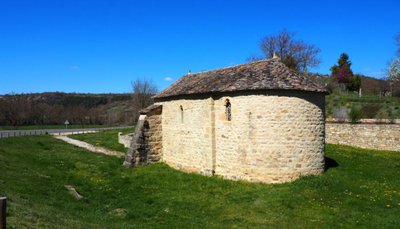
[{"x": 96, "y": 46}]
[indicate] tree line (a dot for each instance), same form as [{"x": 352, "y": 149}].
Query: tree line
[{"x": 81, "y": 109}]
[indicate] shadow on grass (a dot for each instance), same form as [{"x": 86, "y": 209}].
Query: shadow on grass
[{"x": 330, "y": 163}]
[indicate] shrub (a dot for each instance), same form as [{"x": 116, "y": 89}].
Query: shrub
[
  {"x": 354, "y": 83},
  {"x": 340, "y": 113},
  {"x": 370, "y": 110},
  {"x": 382, "y": 115},
  {"x": 392, "y": 115},
  {"x": 355, "y": 114}
]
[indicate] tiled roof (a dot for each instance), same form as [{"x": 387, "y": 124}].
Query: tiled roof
[{"x": 261, "y": 75}]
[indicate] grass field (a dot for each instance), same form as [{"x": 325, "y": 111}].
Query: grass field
[
  {"x": 361, "y": 190},
  {"x": 107, "y": 139}
]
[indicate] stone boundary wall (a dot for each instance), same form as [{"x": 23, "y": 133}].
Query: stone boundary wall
[
  {"x": 369, "y": 136},
  {"x": 146, "y": 143},
  {"x": 365, "y": 121},
  {"x": 125, "y": 139}
]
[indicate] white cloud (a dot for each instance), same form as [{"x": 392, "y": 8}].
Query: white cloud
[
  {"x": 168, "y": 79},
  {"x": 74, "y": 67}
]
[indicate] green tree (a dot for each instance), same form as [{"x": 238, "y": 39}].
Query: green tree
[
  {"x": 343, "y": 61},
  {"x": 354, "y": 83},
  {"x": 344, "y": 75}
]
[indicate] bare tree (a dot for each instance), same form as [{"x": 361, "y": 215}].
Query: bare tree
[
  {"x": 296, "y": 54},
  {"x": 142, "y": 90}
]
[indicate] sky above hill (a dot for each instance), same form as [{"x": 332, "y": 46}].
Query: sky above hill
[{"x": 99, "y": 46}]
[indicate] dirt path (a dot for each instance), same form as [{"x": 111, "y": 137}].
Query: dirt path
[{"x": 89, "y": 147}]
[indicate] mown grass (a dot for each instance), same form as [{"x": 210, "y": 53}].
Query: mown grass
[
  {"x": 107, "y": 139},
  {"x": 362, "y": 191}
]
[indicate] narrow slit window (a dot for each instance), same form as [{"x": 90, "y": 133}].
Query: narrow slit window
[
  {"x": 181, "y": 111},
  {"x": 228, "y": 110}
]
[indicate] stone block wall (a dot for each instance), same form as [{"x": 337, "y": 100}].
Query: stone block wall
[
  {"x": 272, "y": 137},
  {"x": 275, "y": 137},
  {"x": 187, "y": 134},
  {"x": 369, "y": 136},
  {"x": 146, "y": 144},
  {"x": 154, "y": 134}
]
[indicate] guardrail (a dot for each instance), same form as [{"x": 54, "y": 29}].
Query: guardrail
[{"x": 16, "y": 133}]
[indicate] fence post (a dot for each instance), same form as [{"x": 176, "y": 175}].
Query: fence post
[{"x": 3, "y": 211}]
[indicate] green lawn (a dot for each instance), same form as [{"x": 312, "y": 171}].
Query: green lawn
[
  {"x": 362, "y": 191},
  {"x": 107, "y": 139},
  {"x": 40, "y": 127}
]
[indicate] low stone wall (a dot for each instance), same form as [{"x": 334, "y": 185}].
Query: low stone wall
[
  {"x": 369, "y": 136},
  {"x": 125, "y": 139}
]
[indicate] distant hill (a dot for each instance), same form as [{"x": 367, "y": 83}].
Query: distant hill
[
  {"x": 373, "y": 86},
  {"x": 56, "y": 107},
  {"x": 369, "y": 85}
]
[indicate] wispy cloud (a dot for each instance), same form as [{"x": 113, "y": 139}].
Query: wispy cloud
[
  {"x": 168, "y": 78},
  {"x": 74, "y": 67}
]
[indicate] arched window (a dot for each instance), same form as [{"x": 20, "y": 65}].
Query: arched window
[
  {"x": 181, "y": 110},
  {"x": 228, "y": 110}
]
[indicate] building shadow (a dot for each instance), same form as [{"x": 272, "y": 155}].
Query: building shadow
[{"x": 330, "y": 163}]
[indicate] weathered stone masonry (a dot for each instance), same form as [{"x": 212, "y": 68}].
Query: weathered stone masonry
[
  {"x": 146, "y": 145},
  {"x": 259, "y": 122},
  {"x": 370, "y": 136},
  {"x": 272, "y": 137}
]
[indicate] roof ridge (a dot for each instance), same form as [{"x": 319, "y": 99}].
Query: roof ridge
[
  {"x": 234, "y": 66},
  {"x": 267, "y": 74}
]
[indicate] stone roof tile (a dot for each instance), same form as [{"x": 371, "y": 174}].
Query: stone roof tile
[{"x": 269, "y": 74}]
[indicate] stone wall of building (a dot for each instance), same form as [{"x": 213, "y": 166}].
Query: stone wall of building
[
  {"x": 271, "y": 137},
  {"x": 146, "y": 143},
  {"x": 187, "y": 134},
  {"x": 154, "y": 133},
  {"x": 369, "y": 136}
]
